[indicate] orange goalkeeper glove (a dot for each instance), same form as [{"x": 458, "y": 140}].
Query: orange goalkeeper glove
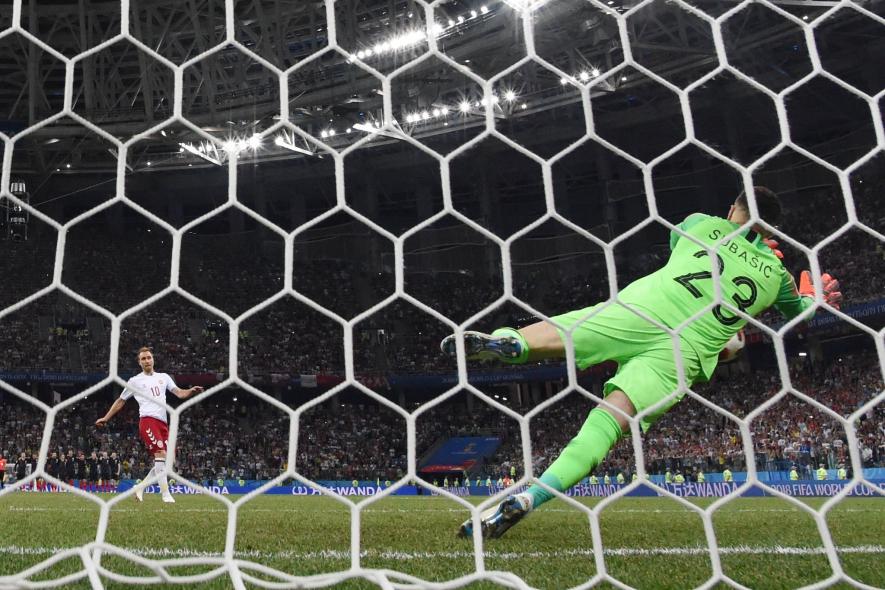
[
  {"x": 832, "y": 295},
  {"x": 773, "y": 245}
]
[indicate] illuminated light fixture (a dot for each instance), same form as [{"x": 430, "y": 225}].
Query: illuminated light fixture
[
  {"x": 509, "y": 96},
  {"x": 484, "y": 9},
  {"x": 67, "y": 165},
  {"x": 331, "y": 133},
  {"x": 583, "y": 76},
  {"x": 369, "y": 52},
  {"x": 478, "y": 104},
  {"x": 163, "y": 132},
  {"x": 803, "y": 353},
  {"x": 378, "y": 124},
  {"x": 149, "y": 163},
  {"x": 563, "y": 81},
  {"x": 473, "y": 14},
  {"x": 425, "y": 115},
  {"x": 595, "y": 72},
  {"x": 324, "y": 133},
  {"x": 436, "y": 112},
  {"x": 804, "y": 17},
  {"x": 623, "y": 78},
  {"x": 360, "y": 54},
  {"x": 460, "y": 19},
  {"x": 181, "y": 149},
  {"x": 410, "y": 15},
  {"x": 464, "y": 107},
  {"x": 451, "y": 23},
  {"x": 230, "y": 146},
  {"x": 524, "y": 106},
  {"x": 255, "y": 142},
  {"x": 444, "y": 111},
  {"x": 348, "y": 130}
]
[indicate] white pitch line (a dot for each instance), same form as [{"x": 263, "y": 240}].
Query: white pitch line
[{"x": 150, "y": 552}]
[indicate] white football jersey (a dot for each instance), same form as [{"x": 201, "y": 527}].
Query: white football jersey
[{"x": 156, "y": 385}]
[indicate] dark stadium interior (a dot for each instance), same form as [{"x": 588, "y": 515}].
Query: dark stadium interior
[{"x": 288, "y": 211}]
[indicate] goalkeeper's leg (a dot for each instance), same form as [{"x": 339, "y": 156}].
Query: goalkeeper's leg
[
  {"x": 597, "y": 436},
  {"x": 640, "y": 383},
  {"x": 532, "y": 343},
  {"x": 601, "y": 430}
]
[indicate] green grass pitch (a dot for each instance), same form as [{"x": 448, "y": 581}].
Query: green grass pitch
[{"x": 649, "y": 542}]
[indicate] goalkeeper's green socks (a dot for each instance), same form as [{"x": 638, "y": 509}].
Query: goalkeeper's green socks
[
  {"x": 523, "y": 355},
  {"x": 582, "y": 454}
]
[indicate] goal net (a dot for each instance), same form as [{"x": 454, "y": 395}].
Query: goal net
[{"x": 295, "y": 202}]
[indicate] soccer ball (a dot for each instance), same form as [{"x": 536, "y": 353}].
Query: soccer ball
[{"x": 732, "y": 349}]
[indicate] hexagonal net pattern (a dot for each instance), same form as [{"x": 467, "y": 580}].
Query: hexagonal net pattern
[{"x": 584, "y": 87}]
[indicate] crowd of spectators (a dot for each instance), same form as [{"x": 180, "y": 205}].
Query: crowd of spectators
[
  {"x": 822, "y": 213},
  {"x": 288, "y": 338},
  {"x": 223, "y": 438},
  {"x": 58, "y": 334}
]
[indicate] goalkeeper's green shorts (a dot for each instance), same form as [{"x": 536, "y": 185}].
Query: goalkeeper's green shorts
[{"x": 647, "y": 371}]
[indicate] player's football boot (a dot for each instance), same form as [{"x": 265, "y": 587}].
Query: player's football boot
[
  {"x": 139, "y": 492},
  {"x": 168, "y": 499},
  {"x": 484, "y": 347},
  {"x": 495, "y": 521}
]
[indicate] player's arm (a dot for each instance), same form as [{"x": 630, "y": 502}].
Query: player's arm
[
  {"x": 793, "y": 300},
  {"x": 112, "y": 411},
  {"x": 688, "y": 223},
  {"x": 186, "y": 393},
  {"x": 177, "y": 391}
]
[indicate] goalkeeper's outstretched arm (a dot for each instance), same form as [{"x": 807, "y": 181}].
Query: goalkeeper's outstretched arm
[{"x": 793, "y": 300}]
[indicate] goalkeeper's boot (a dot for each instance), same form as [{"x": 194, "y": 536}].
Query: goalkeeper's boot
[
  {"x": 495, "y": 521},
  {"x": 484, "y": 347}
]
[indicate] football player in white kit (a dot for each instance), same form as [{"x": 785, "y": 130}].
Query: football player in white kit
[{"x": 152, "y": 424}]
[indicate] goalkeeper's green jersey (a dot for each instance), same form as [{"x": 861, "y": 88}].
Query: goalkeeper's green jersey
[{"x": 752, "y": 277}]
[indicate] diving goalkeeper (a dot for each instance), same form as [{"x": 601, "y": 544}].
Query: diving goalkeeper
[{"x": 752, "y": 279}]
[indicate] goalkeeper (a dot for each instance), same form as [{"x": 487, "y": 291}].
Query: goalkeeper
[{"x": 752, "y": 279}]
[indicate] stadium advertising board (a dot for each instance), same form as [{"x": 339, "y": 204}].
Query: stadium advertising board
[{"x": 799, "y": 489}]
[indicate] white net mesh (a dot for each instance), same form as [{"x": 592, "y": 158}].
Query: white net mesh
[{"x": 178, "y": 65}]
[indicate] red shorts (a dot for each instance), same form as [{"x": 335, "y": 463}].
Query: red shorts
[{"x": 154, "y": 433}]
